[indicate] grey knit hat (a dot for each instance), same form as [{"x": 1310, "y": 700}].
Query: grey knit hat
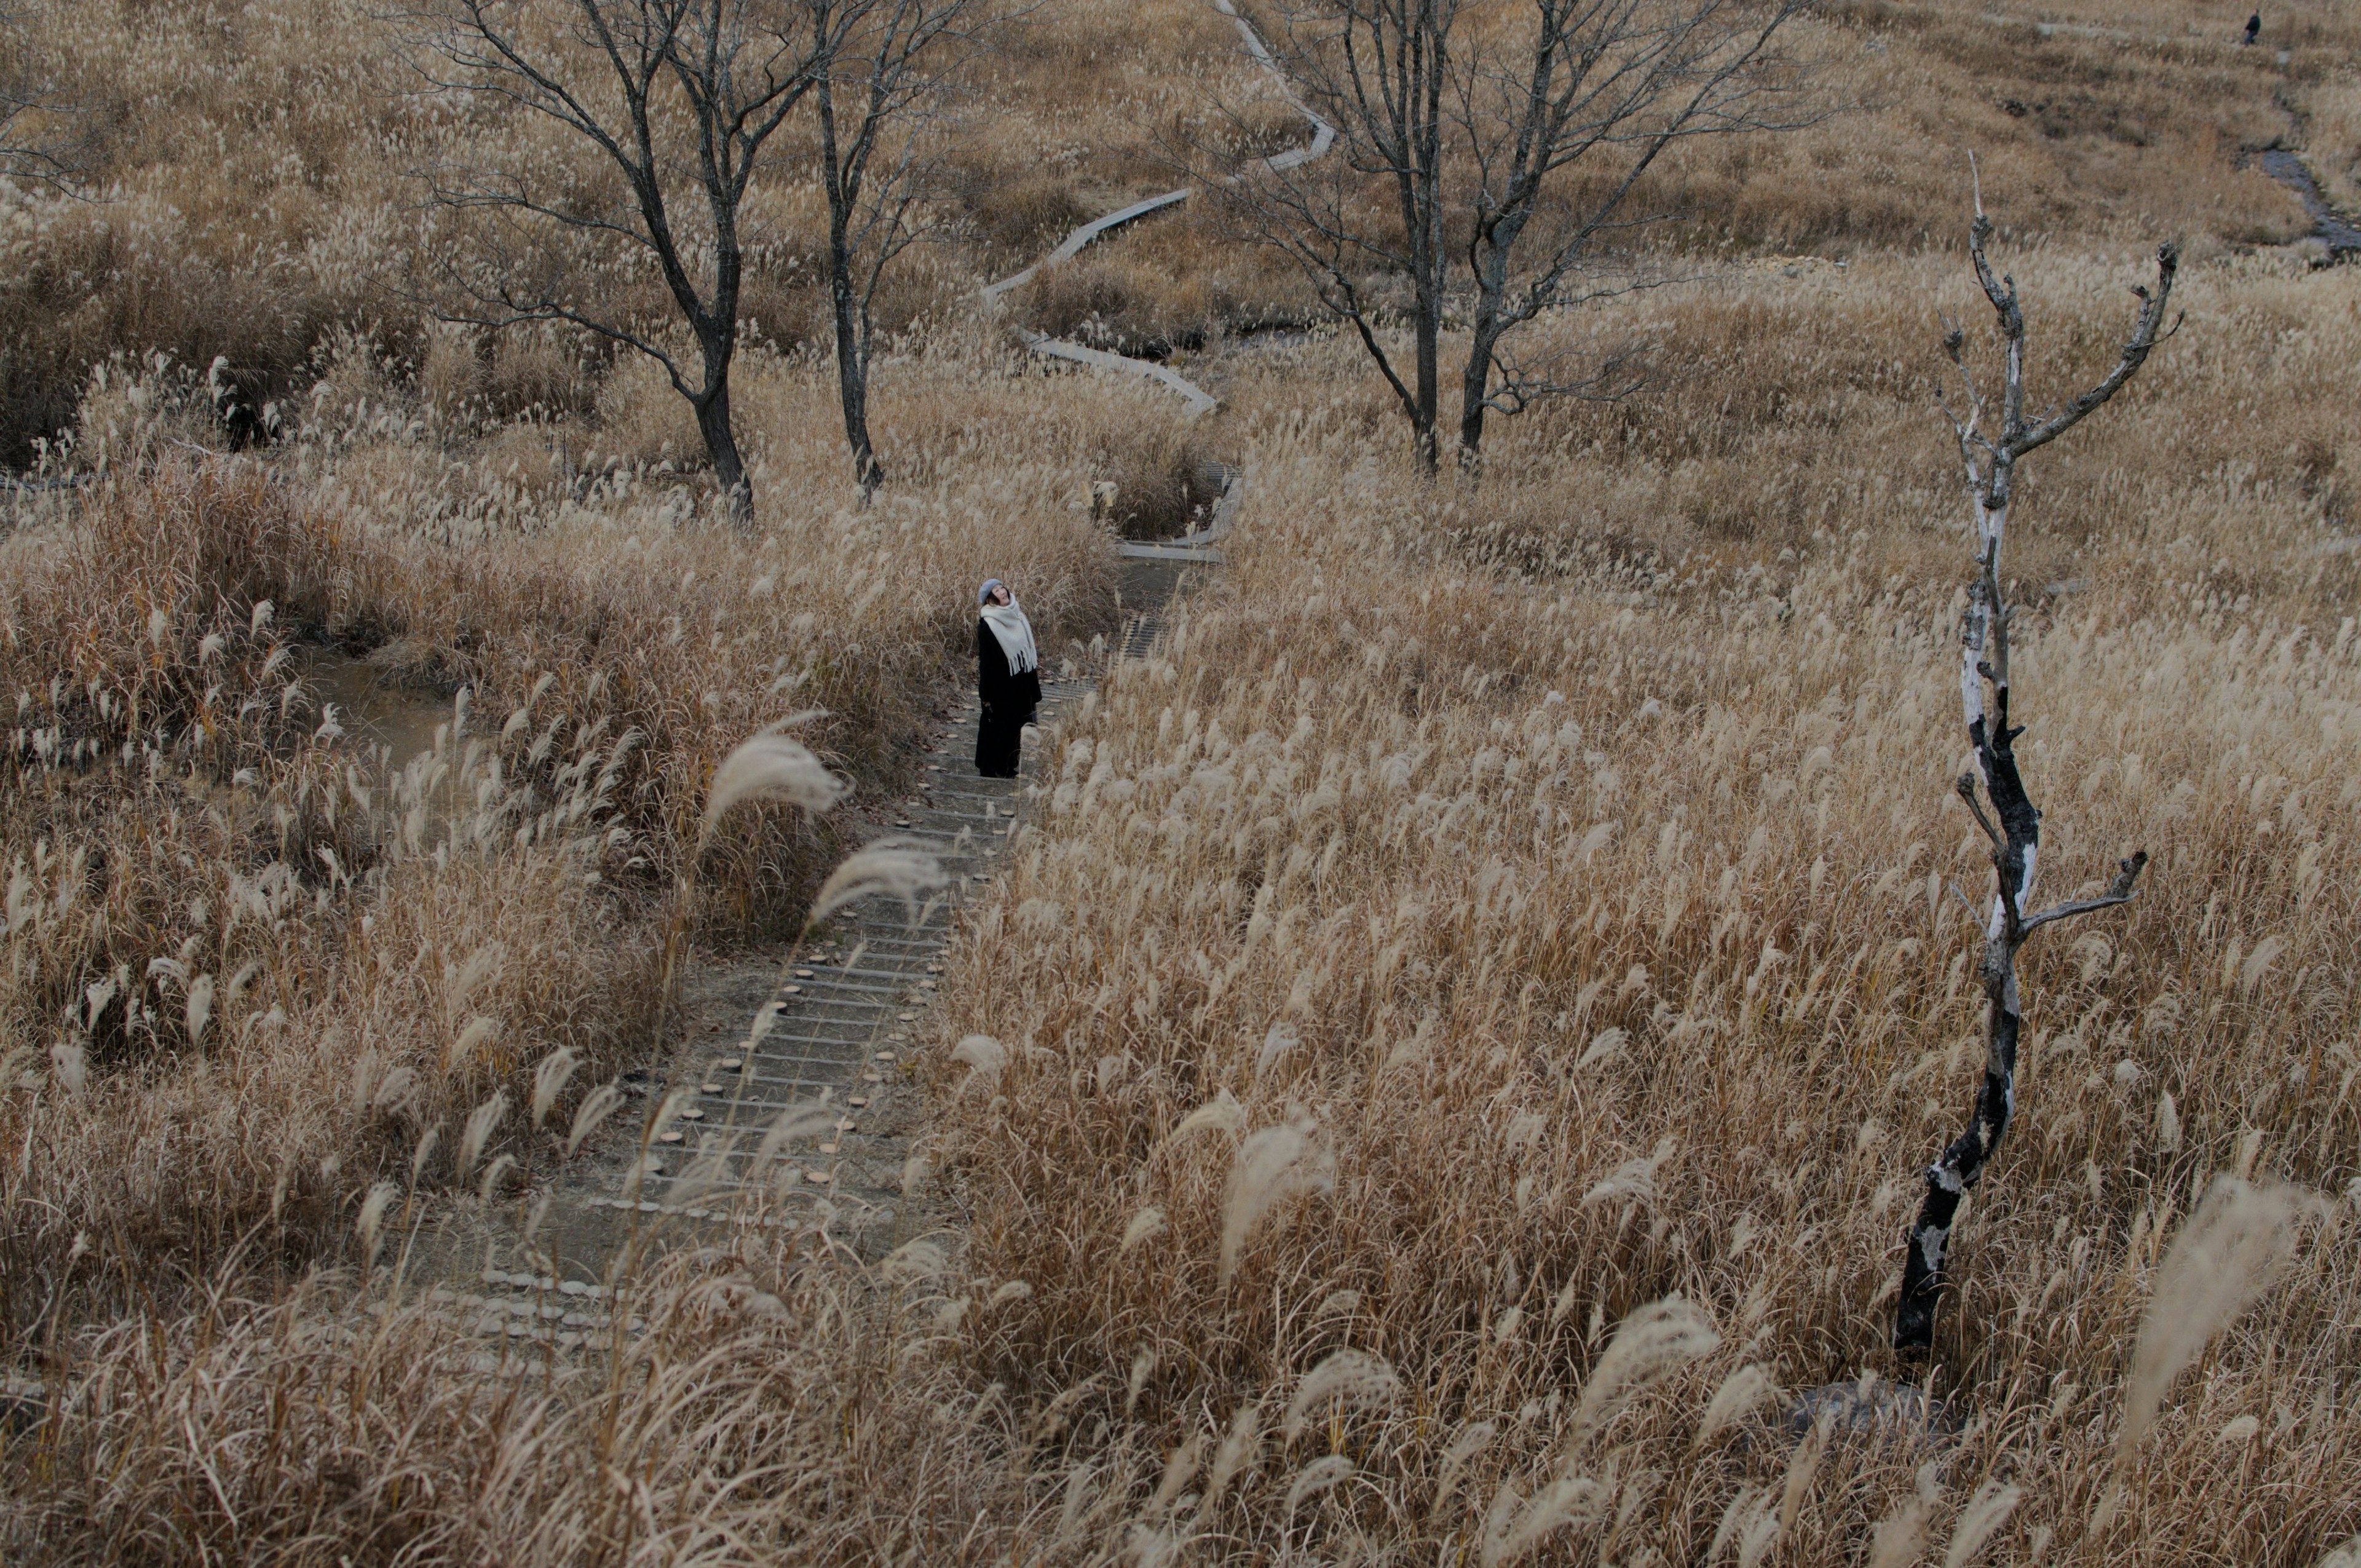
[{"x": 983, "y": 594}]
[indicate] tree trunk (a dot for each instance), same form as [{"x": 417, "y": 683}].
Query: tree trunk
[
  {"x": 843, "y": 186},
  {"x": 1961, "y": 1165},
  {"x": 1475, "y": 385},
  {"x": 1422, "y": 420},
  {"x": 721, "y": 443},
  {"x": 2015, "y": 837},
  {"x": 852, "y": 373}
]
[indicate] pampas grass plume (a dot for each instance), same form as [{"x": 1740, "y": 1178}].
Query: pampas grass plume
[
  {"x": 481, "y": 1120},
  {"x": 1572, "y": 1500},
  {"x": 372, "y": 1216},
  {"x": 983, "y": 1055},
  {"x": 1900, "y": 1536},
  {"x": 1144, "y": 1224},
  {"x": 1223, "y": 1112},
  {"x": 595, "y": 1108},
  {"x": 200, "y": 1008},
  {"x": 1317, "y": 1477},
  {"x": 1980, "y": 1520},
  {"x": 2228, "y": 1254},
  {"x": 1736, "y": 1400},
  {"x": 1471, "y": 1441},
  {"x": 890, "y": 866},
  {"x": 1272, "y": 1166},
  {"x": 549, "y": 1080},
  {"x": 1236, "y": 1452}
]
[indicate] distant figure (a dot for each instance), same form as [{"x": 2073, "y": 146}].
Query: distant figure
[
  {"x": 2254, "y": 26},
  {"x": 1006, "y": 679}
]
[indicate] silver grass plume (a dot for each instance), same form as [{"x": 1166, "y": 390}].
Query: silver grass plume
[
  {"x": 1317, "y": 1477},
  {"x": 200, "y": 1007},
  {"x": 984, "y": 1057},
  {"x": 1237, "y": 1451},
  {"x": 1650, "y": 1345},
  {"x": 1353, "y": 1378},
  {"x": 1575, "y": 1500},
  {"x": 2231, "y": 1250},
  {"x": 372, "y": 1216},
  {"x": 595, "y": 1108},
  {"x": 896, "y": 867},
  {"x": 1470, "y": 1442},
  {"x": 1144, "y": 1225},
  {"x": 795, "y": 1122},
  {"x": 771, "y": 764},
  {"x": 478, "y": 1130},
  {"x": 1736, "y": 1400},
  {"x": 493, "y": 1172},
  {"x": 1980, "y": 1520},
  {"x": 549, "y": 1080},
  {"x": 427, "y": 1143},
  {"x": 1272, "y": 1166}
]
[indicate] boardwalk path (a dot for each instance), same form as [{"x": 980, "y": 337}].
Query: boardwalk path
[
  {"x": 838, "y": 1021},
  {"x": 833, "y": 1027},
  {"x": 1196, "y": 397}
]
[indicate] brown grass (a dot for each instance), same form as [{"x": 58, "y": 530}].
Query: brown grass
[
  {"x": 1592, "y": 927},
  {"x": 386, "y": 944},
  {"x": 2114, "y": 125},
  {"x": 1503, "y": 904}
]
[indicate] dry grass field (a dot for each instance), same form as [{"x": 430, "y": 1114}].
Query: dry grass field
[{"x": 1466, "y": 1017}]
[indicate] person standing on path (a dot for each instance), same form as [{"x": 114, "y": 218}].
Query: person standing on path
[{"x": 1007, "y": 679}]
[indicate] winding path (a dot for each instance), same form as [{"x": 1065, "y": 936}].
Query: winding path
[
  {"x": 1199, "y": 400},
  {"x": 832, "y": 1028}
]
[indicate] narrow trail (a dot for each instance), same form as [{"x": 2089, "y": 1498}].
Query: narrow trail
[
  {"x": 833, "y": 1023},
  {"x": 834, "y": 1029},
  {"x": 1199, "y": 400}
]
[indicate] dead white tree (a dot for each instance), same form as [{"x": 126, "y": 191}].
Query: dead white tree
[
  {"x": 678, "y": 99},
  {"x": 2012, "y": 826},
  {"x": 1504, "y": 142}
]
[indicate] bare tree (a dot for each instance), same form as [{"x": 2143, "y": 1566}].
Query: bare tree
[
  {"x": 1990, "y": 461},
  {"x": 679, "y": 98},
  {"x": 1511, "y": 137},
  {"x": 880, "y": 100}
]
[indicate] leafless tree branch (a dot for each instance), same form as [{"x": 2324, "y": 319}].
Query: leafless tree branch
[
  {"x": 42, "y": 138},
  {"x": 680, "y": 99},
  {"x": 1533, "y": 139},
  {"x": 2014, "y": 826}
]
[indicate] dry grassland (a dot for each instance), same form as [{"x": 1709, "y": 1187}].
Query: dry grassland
[
  {"x": 2104, "y": 124},
  {"x": 1465, "y": 1021},
  {"x": 1442, "y": 965},
  {"x": 260, "y": 163},
  {"x": 193, "y": 838}
]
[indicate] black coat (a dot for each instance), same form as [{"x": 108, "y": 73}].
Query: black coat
[{"x": 1014, "y": 694}]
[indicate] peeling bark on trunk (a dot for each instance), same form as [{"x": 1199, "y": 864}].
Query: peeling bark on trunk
[{"x": 2012, "y": 828}]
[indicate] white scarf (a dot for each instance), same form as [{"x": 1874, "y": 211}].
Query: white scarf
[{"x": 1015, "y": 634}]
